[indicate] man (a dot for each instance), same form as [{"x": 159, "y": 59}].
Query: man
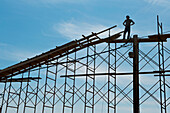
[{"x": 127, "y": 23}]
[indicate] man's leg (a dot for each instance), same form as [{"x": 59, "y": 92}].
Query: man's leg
[
  {"x": 128, "y": 30},
  {"x": 124, "y": 33}
]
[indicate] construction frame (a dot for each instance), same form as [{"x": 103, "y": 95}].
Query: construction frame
[{"x": 92, "y": 75}]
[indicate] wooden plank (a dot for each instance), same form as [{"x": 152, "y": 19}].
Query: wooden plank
[
  {"x": 44, "y": 56},
  {"x": 159, "y": 36},
  {"x": 37, "y": 59},
  {"x": 140, "y": 40}
]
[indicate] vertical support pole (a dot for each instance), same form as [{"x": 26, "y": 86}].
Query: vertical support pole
[
  {"x": 72, "y": 111},
  {"x": 65, "y": 84},
  {"x": 90, "y": 82},
  {"x": 3, "y": 97},
  {"x": 111, "y": 80},
  {"x": 55, "y": 85},
  {"x": 135, "y": 75},
  {"x": 115, "y": 79},
  {"x": 26, "y": 92},
  {"x": 159, "y": 57},
  {"x": 44, "y": 100},
  {"x": 20, "y": 94},
  {"x": 86, "y": 82},
  {"x": 39, "y": 73},
  {"x": 161, "y": 68},
  {"x": 10, "y": 85},
  {"x": 94, "y": 77},
  {"x": 108, "y": 100}
]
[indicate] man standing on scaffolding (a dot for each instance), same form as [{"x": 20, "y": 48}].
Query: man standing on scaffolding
[{"x": 127, "y": 23}]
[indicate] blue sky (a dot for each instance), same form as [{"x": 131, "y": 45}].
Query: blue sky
[{"x": 29, "y": 27}]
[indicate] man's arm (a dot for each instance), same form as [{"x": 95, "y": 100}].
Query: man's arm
[
  {"x": 132, "y": 22},
  {"x": 124, "y": 23}
]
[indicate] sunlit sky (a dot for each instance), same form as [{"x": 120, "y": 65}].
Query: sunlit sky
[{"x": 29, "y": 27}]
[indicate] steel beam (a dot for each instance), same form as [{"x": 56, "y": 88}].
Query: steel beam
[{"x": 135, "y": 75}]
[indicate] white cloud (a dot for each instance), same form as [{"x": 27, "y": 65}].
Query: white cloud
[
  {"x": 164, "y": 3},
  {"x": 74, "y": 30}
]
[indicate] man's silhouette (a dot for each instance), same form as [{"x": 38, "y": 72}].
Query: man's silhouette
[{"x": 127, "y": 23}]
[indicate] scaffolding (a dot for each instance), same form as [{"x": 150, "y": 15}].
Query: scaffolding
[{"x": 92, "y": 75}]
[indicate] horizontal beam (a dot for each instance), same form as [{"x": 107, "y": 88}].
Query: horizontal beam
[
  {"x": 20, "y": 79},
  {"x": 140, "y": 40},
  {"x": 163, "y": 75},
  {"x": 151, "y": 38},
  {"x": 100, "y": 74}
]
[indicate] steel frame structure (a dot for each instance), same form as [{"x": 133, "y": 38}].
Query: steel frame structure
[{"x": 87, "y": 78}]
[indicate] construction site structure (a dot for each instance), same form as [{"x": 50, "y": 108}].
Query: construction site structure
[{"x": 92, "y": 75}]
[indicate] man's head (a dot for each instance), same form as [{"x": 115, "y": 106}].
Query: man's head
[{"x": 127, "y": 17}]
